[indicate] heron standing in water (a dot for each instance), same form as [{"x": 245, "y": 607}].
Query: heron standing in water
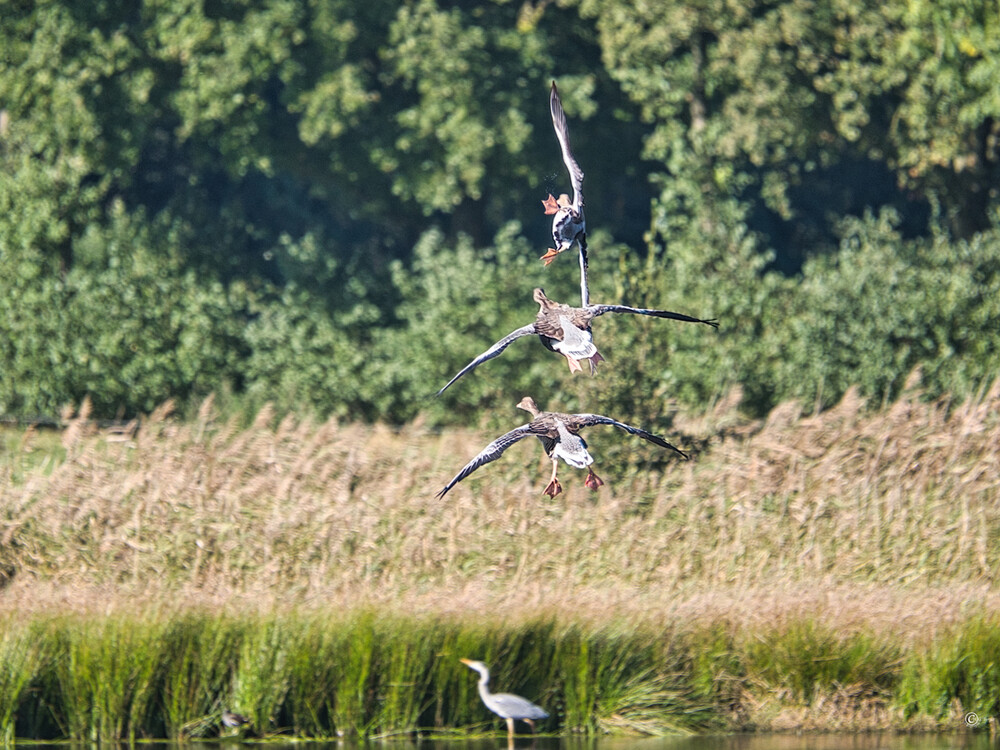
[{"x": 505, "y": 705}]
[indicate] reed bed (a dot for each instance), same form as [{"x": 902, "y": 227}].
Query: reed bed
[
  {"x": 304, "y": 573},
  {"x": 170, "y": 675}
]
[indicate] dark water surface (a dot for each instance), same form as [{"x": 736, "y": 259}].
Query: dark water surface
[{"x": 868, "y": 741}]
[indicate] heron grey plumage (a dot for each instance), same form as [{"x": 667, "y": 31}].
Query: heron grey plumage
[{"x": 505, "y": 705}]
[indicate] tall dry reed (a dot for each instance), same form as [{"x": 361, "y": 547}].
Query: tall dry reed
[{"x": 878, "y": 506}]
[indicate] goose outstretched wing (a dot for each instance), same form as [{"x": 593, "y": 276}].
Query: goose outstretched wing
[
  {"x": 491, "y": 452},
  {"x": 493, "y": 351},
  {"x": 589, "y": 420},
  {"x": 601, "y": 309},
  {"x": 562, "y": 133}
]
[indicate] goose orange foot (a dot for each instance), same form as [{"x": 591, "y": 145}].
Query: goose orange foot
[
  {"x": 551, "y": 205},
  {"x": 593, "y": 362},
  {"x": 550, "y": 255},
  {"x": 593, "y": 481},
  {"x": 574, "y": 365},
  {"x": 553, "y": 489}
]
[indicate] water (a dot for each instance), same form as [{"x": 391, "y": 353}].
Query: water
[
  {"x": 844, "y": 741},
  {"x": 868, "y": 741}
]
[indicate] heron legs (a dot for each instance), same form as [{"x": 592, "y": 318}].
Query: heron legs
[
  {"x": 510, "y": 727},
  {"x": 553, "y": 488}
]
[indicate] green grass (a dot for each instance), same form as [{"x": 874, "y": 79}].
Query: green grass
[
  {"x": 816, "y": 571},
  {"x": 106, "y": 678}
]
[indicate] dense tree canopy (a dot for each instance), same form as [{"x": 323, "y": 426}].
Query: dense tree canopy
[{"x": 333, "y": 205}]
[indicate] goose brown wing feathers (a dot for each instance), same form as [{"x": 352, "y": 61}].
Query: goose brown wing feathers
[
  {"x": 490, "y": 453},
  {"x": 562, "y": 133},
  {"x": 579, "y": 421},
  {"x": 493, "y": 351},
  {"x": 596, "y": 310}
]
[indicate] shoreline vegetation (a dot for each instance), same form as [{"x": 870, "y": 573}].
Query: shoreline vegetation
[{"x": 819, "y": 572}]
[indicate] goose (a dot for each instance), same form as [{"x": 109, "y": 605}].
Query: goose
[
  {"x": 559, "y": 435},
  {"x": 566, "y": 330},
  {"x": 569, "y": 226}
]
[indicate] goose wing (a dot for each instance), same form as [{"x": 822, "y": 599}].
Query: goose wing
[
  {"x": 562, "y": 133},
  {"x": 491, "y": 452},
  {"x": 493, "y": 351},
  {"x": 580, "y": 421},
  {"x": 596, "y": 310}
]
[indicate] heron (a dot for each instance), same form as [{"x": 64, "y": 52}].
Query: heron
[{"x": 505, "y": 705}]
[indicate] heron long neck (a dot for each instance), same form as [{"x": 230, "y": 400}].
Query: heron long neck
[{"x": 484, "y": 681}]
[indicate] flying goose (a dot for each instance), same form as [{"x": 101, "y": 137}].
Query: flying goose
[
  {"x": 559, "y": 435},
  {"x": 566, "y": 330},
  {"x": 568, "y": 223}
]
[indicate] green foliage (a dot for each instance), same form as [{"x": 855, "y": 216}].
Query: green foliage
[
  {"x": 333, "y": 206},
  {"x": 302, "y": 360},
  {"x": 22, "y": 658},
  {"x": 961, "y": 665},
  {"x": 807, "y": 659},
  {"x": 106, "y": 672},
  {"x": 116, "y": 677},
  {"x": 127, "y": 324},
  {"x": 457, "y": 301},
  {"x": 883, "y": 306}
]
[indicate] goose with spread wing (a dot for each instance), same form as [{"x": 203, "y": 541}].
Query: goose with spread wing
[
  {"x": 559, "y": 435},
  {"x": 569, "y": 226},
  {"x": 566, "y": 330}
]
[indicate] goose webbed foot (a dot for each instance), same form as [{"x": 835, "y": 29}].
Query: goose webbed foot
[
  {"x": 593, "y": 362},
  {"x": 553, "y": 488},
  {"x": 551, "y": 205},
  {"x": 550, "y": 255},
  {"x": 593, "y": 481}
]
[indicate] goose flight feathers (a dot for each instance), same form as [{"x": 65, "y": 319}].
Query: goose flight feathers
[
  {"x": 559, "y": 435},
  {"x": 569, "y": 226},
  {"x": 566, "y": 330}
]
